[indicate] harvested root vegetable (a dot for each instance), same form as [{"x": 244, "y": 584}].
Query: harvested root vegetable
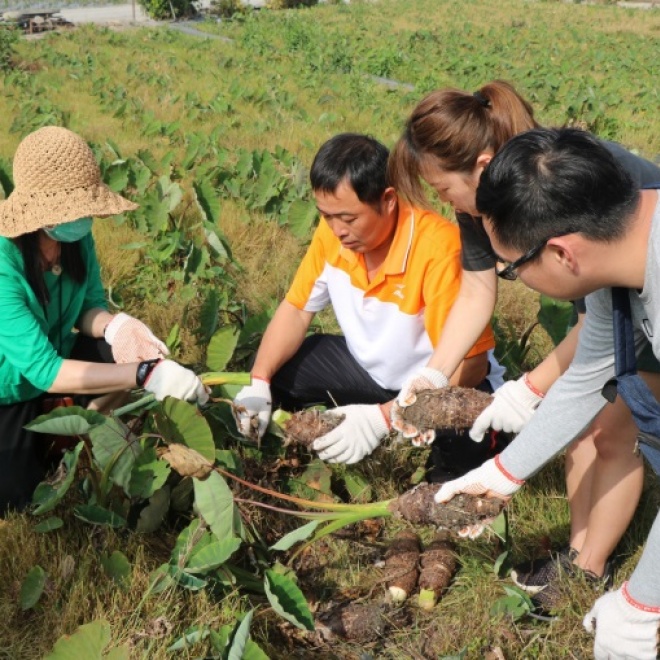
[
  {"x": 417, "y": 506},
  {"x": 438, "y": 564},
  {"x": 446, "y": 408},
  {"x": 357, "y": 622},
  {"x": 302, "y": 428},
  {"x": 402, "y": 565}
]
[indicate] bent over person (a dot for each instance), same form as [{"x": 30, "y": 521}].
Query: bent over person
[
  {"x": 562, "y": 213},
  {"x": 391, "y": 273},
  {"x": 54, "y": 323}
]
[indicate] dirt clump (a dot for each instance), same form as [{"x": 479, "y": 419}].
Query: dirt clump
[{"x": 357, "y": 622}]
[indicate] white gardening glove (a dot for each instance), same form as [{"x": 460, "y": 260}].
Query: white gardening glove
[
  {"x": 624, "y": 628},
  {"x": 132, "y": 341},
  {"x": 490, "y": 480},
  {"x": 363, "y": 428},
  {"x": 253, "y": 402},
  {"x": 425, "y": 379},
  {"x": 513, "y": 406},
  {"x": 171, "y": 379}
]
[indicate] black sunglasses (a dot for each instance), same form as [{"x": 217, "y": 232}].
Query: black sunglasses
[{"x": 509, "y": 271}]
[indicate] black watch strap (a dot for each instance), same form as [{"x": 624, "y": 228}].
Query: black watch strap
[{"x": 143, "y": 371}]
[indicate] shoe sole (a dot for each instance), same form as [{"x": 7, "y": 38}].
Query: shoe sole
[{"x": 530, "y": 589}]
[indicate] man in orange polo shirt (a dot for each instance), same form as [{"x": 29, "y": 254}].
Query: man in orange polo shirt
[{"x": 391, "y": 273}]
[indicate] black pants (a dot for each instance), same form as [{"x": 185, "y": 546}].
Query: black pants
[
  {"x": 23, "y": 462},
  {"x": 324, "y": 372}
]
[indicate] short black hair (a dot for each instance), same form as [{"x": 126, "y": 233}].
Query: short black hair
[
  {"x": 360, "y": 159},
  {"x": 546, "y": 182}
]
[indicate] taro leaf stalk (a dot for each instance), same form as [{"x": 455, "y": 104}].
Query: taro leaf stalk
[{"x": 417, "y": 506}]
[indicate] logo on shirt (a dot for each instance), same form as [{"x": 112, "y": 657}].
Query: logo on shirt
[{"x": 399, "y": 291}]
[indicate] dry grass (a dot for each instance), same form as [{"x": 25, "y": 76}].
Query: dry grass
[{"x": 78, "y": 591}]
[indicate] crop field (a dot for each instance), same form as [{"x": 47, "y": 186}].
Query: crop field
[{"x": 213, "y": 135}]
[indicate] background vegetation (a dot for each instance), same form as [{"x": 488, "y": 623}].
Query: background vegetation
[{"x": 213, "y": 137}]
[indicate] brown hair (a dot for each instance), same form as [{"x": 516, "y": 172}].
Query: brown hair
[{"x": 455, "y": 127}]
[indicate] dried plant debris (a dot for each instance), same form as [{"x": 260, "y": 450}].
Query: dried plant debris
[
  {"x": 438, "y": 566},
  {"x": 356, "y": 622},
  {"x": 186, "y": 461},
  {"x": 402, "y": 565},
  {"x": 446, "y": 409},
  {"x": 305, "y": 426},
  {"x": 417, "y": 506}
]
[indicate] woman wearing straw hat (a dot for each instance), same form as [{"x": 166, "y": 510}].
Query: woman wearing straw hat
[{"x": 55, "y": 328}]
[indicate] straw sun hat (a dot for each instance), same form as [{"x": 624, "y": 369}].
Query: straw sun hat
[{"x": 56, "y": 180}]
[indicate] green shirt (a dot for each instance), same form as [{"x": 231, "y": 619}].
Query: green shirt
[{"x": 33, "y": 344}]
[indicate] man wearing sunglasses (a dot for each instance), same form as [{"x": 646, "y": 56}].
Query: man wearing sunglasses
[{"x": 569, "y": 222}]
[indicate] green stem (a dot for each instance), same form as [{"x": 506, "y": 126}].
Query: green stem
[
  {"x": 134, "y": 405},
  {"x": 363, "y": 510},
  {"x": 225, "y": 378}
]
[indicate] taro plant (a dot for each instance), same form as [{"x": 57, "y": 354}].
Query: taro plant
[{"x": 134, "y": 479}]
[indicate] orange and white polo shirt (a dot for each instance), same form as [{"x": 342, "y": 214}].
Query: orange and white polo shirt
[{"x": 392, "y": 323}]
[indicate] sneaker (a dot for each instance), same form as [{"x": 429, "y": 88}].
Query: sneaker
[
  {"x": 549, "y": 598},
  {"x": 535, "y": 574}
]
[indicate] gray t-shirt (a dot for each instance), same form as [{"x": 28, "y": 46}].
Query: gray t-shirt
[{"x": 575, "y": 399}]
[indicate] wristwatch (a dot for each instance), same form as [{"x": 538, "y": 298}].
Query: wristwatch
[{"x": 144, "y": 371}]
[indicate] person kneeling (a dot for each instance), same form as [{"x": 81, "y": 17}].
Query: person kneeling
[{"x": 391, "y": 273}]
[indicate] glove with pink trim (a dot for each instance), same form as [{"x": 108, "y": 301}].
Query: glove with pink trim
[
  {"x": 623, "y": 627},
  {"x": 361, "y": 431},
  {"x": 253, "y": 407},
  {"x": 490, "y": 480},
  {"x": 513, "y": 406}
]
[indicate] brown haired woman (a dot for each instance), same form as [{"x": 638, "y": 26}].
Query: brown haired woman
[{"x": 449, "y": 139}]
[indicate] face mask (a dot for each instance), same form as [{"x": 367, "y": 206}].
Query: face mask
[{"x": 70, "y": 232}]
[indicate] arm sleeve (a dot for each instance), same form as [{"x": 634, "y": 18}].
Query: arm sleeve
[
  {"x": 574, "y": 400},
  {"x": 644, "y": 584},
  {"x": 441, "y": 287},
  {"x": 477, "y": 252},
  {"x": 94, "y": 293},
  {"x": 309, "y": 289},
  {"x": 23, "y": 341}
]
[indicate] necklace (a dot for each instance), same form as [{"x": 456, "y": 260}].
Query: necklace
[{"x": 52, "y": 263}]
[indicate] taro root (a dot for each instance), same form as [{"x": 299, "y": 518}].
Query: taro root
[
  {"x": 438, "y": 565},
  {"x": 446, "y": 409},
  {"x": 356, "y": 622},
  {"x": 417, "y": 506},
  {"x": 401, "y": 565},
  {"x": 303, "y": 427}
]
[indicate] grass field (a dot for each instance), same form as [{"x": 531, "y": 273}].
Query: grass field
[{"x": 222, "y": 130}]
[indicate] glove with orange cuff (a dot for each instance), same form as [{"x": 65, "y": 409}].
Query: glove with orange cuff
[{"x": 362, "y": 430}]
